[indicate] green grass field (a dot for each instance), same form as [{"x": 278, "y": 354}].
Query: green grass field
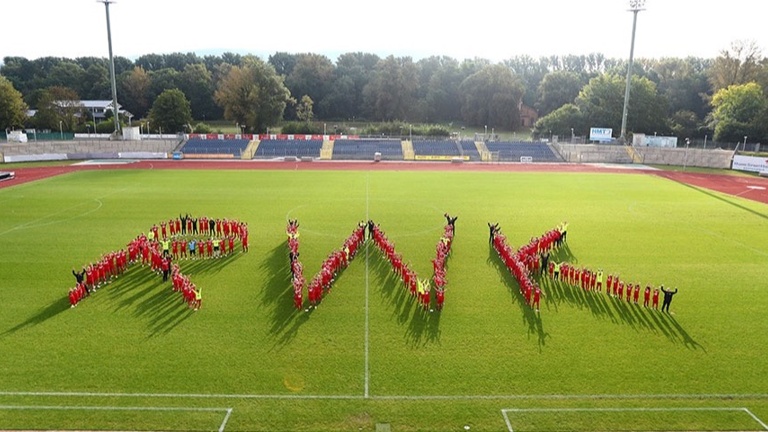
[{"x": 132, "y": 357}]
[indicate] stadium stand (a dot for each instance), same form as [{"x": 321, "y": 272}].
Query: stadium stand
[
  {"x": 365, "y": 149},
  {"x": 513, "y": 151},
  {"x": 435, "y": 149},
  {"x": 220, "y": 148},
  {"x": 273, "y": 148},
  {"x": 468, "y": 148}
]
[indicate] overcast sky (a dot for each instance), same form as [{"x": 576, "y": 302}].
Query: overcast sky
[{"x": 490, "y": 29}]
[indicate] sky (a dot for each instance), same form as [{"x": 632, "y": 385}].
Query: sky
[{"x": 490, "y": 29}]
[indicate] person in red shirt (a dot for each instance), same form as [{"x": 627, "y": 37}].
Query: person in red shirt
[
  {"x": 164, "y": 229},
  {"x": 527, "y": 291},
  {"x": 647, "y": 296},
  {"x": 620, "y": 291},
  {"x": 440, "y": 296},
  {"x": 656, "y": 298},
  {"x": 536, "y": 298},
  {"x": 72, "y": 297},
  {"x": 636, "y": 297},
  {"x": 297, "y": 300}
]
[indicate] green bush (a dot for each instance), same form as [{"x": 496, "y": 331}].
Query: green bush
[
  {"x": 203, "y": 128},
  {"x": 106, "y": 126},
  {"x": 301, "y": 128}
]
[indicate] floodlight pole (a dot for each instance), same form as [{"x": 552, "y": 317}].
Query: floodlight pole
[
  {"x": 115, "y": 110},
  {"x": 635, "y": 6}
]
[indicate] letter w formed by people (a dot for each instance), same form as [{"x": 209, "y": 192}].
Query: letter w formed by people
[{"x": 421, "y": 289}]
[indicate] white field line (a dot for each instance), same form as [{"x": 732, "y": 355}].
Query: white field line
[
  {"x": 33, "y": 223},
  {"x": 366, "y": 393},
  {"x": 227, "y": 411},
  {"x": 504, "y": 412},
  {"x": 391, "y": 397}
]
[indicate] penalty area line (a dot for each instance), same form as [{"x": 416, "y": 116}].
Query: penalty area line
[
  {"x": 227, "y": 411},
  {"x": 505, "y": 412}
]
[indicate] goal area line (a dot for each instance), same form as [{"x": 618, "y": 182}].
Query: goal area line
[{"x": 507, "y": 411}]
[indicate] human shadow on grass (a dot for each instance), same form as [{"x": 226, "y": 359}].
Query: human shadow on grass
[
  {"x": 530, "y": 318},
  {"x": 617, "y": 310},
  {"x": 277, "y": 296},
  {"x": 150, "y": 298},
  {"x": 54, "y": 308},
  {"x": 423, "y": 326}
]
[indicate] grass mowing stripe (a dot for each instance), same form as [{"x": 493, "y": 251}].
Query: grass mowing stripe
[
  {"x": 394, "y": 397},
  {"x": 367, "y": 316}
]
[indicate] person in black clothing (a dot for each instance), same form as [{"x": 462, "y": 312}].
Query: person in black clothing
[
  {"x": 493, "y": 229},
  {"x": 80, "y": 277},
  {"x": 544, "y": 262},
  {"x": 451, "y": 221},
  {"x": 667, "y": 298},
  {"x": 183, "y": 220},
  {"x": 370, "y": 228}
]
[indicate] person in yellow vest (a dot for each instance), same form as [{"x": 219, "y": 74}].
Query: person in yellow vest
[
  {"x": 424, "y": 293},
  {"x": 198, "y": 298},
  {"x": 599, "y": 282},
  {"x": 556, "y": 272},
  {"x": 216, "y": 247}
]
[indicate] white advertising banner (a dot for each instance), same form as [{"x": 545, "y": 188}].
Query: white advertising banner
[
  {"x": 600, "y": 134},
  {"x": 750, "y": 163}
]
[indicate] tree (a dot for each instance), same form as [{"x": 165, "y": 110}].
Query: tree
[
  {"x": 283, "y": 63},
  {"x": 161, "y": 80},
  {"x": 197, "y": 84},
  {"x": 684, "y": 124},
  {"x": 97, "y": 83},
  {"x": 739, "y": 110},
  {"x": 253, "y": 94},
  {"x": 530, "y": 72},
  {"x": 304, "y": 109},
  {"x": 491, "y": 97},
  {"x": 738, "y": 65},
  {"x": 59, "y": 107},
  {"x": 557, "y": 89},
  {"x": 390, "y": 94},
  {"x": 601, "y": 102},
  {"x": 171, "y": 111},
  {"x": 683, "y": 82},
  {"x": 68, "y": 74},
  {"x": 438, "y": 92},
  {"x": 13, "y": 110},
  {"x": 134, "y": 88},
  {"x": 562, "y": 122},
  {"x": 345, "y": 94},
  {"x": 311, "y": 76}
]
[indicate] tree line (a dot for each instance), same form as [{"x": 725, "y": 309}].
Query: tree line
[{"x": 724, "y": 98}]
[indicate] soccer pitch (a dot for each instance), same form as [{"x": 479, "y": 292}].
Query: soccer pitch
[{"x": 133, "y": 357}]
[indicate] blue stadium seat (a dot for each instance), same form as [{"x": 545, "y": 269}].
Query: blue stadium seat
[
  {"x": 435, "y": 148},
  {"x": 513, "y": 151},
  {"x": 198, "y": 146},
  {"x": 366, "y": 148},
  {"x": 272, "y": 148}
]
